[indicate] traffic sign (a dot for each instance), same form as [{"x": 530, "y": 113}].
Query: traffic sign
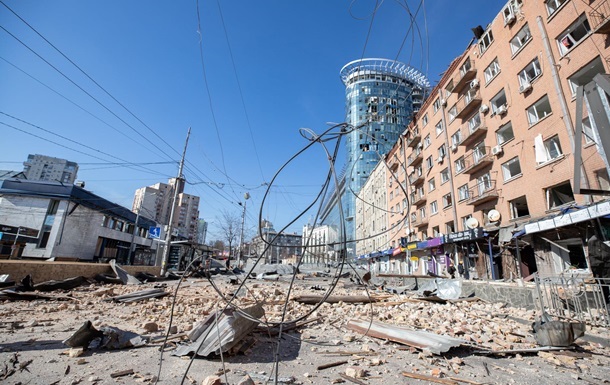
[{"x": 154, "y": 232}]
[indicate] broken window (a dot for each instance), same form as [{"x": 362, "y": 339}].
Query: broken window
[
  {"x": 452, "y": 113},
  {"x": 520, "y": 39},
  {"x": 432, "y": 184},
  {"x": 447, "y": 201},
  {"x": 547, "y": 150},
  {"x": 518, "y": 208},
  {"x": 505, "y": 133},
  {"x": 587, "y": 131},
  {"x": 559, "y": 195},
  {"x": 511, "y": 169},
  {"x": 574, "y": 34},
  {"x": 437, "y": 105},
  {"x": 499, "y": 102},
  {"x": 539, "y": 110},
  {"x": 427, "y": 141},
  {"x": 456, "y": 138},
  {"x": 485, "y": 41},
  {"x": 553, "y": 5},
  {"x": 450, "y": 227},
  {"x": 445, "y": 175},
  {"x": 474, "y": 122},
  {"x": 433, "y": 208},
  {"x": 603, "y": 179},
  {"x": 429, "y": 162},
  {"x": 460, "y": 164},
  {"x": 48, "y": 223},
  {"x": 492, "y": 70},
  {"x": 424, "y": 120},
  {"x": 585, "y": 74},
  {"x": 439, "y": 128},
  {"x": 529, "y": 73},
  {"x": 462, "y": 192}
]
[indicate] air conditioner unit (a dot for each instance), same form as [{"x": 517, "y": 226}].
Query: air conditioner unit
[
  {"x": 474, "y": 83},
  {"x": 440, "y": 159},
  {"x": 484, "y": 108},
  {"x": 454, "y": 147},
  {"x": 525, "y": 87},
  {"x": 501, "y": 110},
  {"x": 509, "y": 19},
  {"x": 420, "y": 146},
  {"x": 443, "y": 102},
  {"x": 496, "y": 150}
]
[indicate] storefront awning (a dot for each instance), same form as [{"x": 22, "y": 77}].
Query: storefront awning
[{"x": 567, "y": 217}]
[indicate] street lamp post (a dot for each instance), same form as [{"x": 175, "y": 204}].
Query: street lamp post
[{"x": 241, "y": 236}]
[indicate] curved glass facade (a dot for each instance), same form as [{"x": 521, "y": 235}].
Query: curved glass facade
[{"x": 381, "y": 97}]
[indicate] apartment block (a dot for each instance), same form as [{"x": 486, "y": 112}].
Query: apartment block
[
  {"x": 156, "y": 202},
  {"x": 490, "y": 156},
  {"x": 48, "y": 168}
]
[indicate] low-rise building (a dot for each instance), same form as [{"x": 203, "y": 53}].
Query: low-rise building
[{"x": 55, "y": 220}]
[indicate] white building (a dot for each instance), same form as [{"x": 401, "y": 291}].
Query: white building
[
  {"x": 317, "y": 244},
  {"x": 50, "y": 219},
  {"x": 42, "y": 167},
  {"x": 155, "y": 202}
]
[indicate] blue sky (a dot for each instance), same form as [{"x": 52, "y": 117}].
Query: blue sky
[{"x": 146, "y": 54}]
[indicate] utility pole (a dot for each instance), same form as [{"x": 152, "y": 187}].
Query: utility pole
[
  {"x": 241, "y": 236},
  {"x": 168, "y": 236},
  {"x": 132, "y": 245}
]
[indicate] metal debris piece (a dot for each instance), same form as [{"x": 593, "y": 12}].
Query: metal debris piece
[
  {"x": 314, "y": 299},
  {"x": 127, "y": 278},
  {"x": 557, "y": 333},
  {"x": 232, "y": 327},
  {"x": 432, "y": 342},
  {"x": 83, "y": 336},
  {"x": 108, "y": 337},
  {"x": 66, "y": 284},
  {"x": 138, "y": 296}
]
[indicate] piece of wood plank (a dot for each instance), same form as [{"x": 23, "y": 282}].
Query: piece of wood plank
[
  {"x": 424, "y": 377},
  {"x": 331, "y": 365},
  {"x": 466, "y": 381},
  {"x": 352, "y": 379},
  {"x": 121, "y": 373}
]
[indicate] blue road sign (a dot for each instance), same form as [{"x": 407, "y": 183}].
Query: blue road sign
[{"x": 154, "y": 232}]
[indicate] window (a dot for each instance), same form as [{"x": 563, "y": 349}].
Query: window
[
  {"x": 464, "y": 220},
  {"x": 479, "y": 152},
  {"x": 518, "y": 208},
  {"x": 424, "y": 120},
  {"x": 585, "y": 75},
  {"x": 456, "y": 138},
  {"x": 484, "y": 184},
  {"x": 452, "y": 113},
  {"x": 433, "y": 208},
  {"x": 509, "y": 11},
  {"x": 511, "y": 169},
  {"x": 463, "y": 192},
  {"x": 413, "y": 217},
  {"x": 474, "y": 122},
  {"x": 442, "y": 151},
  {"x": 439, "y": 128},
  {"x": 48, "y": 223},
  {"x": 445, "y": 175},
  {"x": 553, "y": 5},
  {"x": 520, "y": 39},
  {"x": 485, "y": 41},
  {"x": 450, "y": 227},
  {"x": 547, "y": 150},
  {"x": 460, "y": 164},
  {"x": 498, "y": 101},
  {"x": 447, "y": 201},
  {"x": 422, "y": 212},
  {"x": 587, "y": 131},
  {"x": 492, "y": 70},
  {"x": 437, "y": 105},
  {"x": 431, "y": 185},
  {"x": 529, "y": 73},
  {"x": 603, "y": 179},
  {"x": 429, "y": 162},
  {"x": 427, "y": 141},
  {"x": 574, "y": 34},
  {"x": 436, "y": 232},
  {"x": 559, "y": 195},
  {"x": 505, "y": 133},
  {"x": 540, "y": 110}
]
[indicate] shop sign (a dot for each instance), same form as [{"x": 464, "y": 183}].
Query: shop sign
[
  {"x": 412, "y": 246},
  {"x": 466, "y": 235}
]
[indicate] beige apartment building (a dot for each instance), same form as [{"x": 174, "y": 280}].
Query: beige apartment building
[
  {"x": 155, "y": 202},
  {"x": 489, "y": 158}
]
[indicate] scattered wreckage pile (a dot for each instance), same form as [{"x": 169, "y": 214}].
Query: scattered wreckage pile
[{"x": 100, "y": 332}]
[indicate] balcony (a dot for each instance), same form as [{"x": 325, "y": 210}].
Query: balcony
[
  {"x": 477, "y": 159},
  {"x": 416, "y": 178},
  {"x": 418, "y": 199},
  {"x": 481, "y": 192},
  {"x": 413, "y": 137},
  {"x": 467, "y": 103},
  {"x": 467, "y": 72},
  {"x": 415, "y": 158},
  {"x": 599, "y": 18},
  {"x": 474, "y": 133},
  {"x": 419, "y": 221}
]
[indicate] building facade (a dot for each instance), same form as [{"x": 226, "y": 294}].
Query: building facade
[
  {"x": 155, "y": 202},
  {"x": 490, "y": 156},
  {"x": 53, "y": 220},
  {"x": 48, "y": 168},
  {"x": 276, "y": 247}
]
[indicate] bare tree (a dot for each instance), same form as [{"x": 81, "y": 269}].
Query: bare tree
[{"x": 229, "y": 226}]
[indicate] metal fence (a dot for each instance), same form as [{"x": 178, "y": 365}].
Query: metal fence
[{"x": 575, "y": 297}]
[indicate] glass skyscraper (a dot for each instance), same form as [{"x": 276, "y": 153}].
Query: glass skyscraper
[{"x": 381, "y": 96}]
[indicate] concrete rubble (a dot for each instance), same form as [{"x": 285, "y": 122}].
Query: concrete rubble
[{"x": 321, "y": 348}]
